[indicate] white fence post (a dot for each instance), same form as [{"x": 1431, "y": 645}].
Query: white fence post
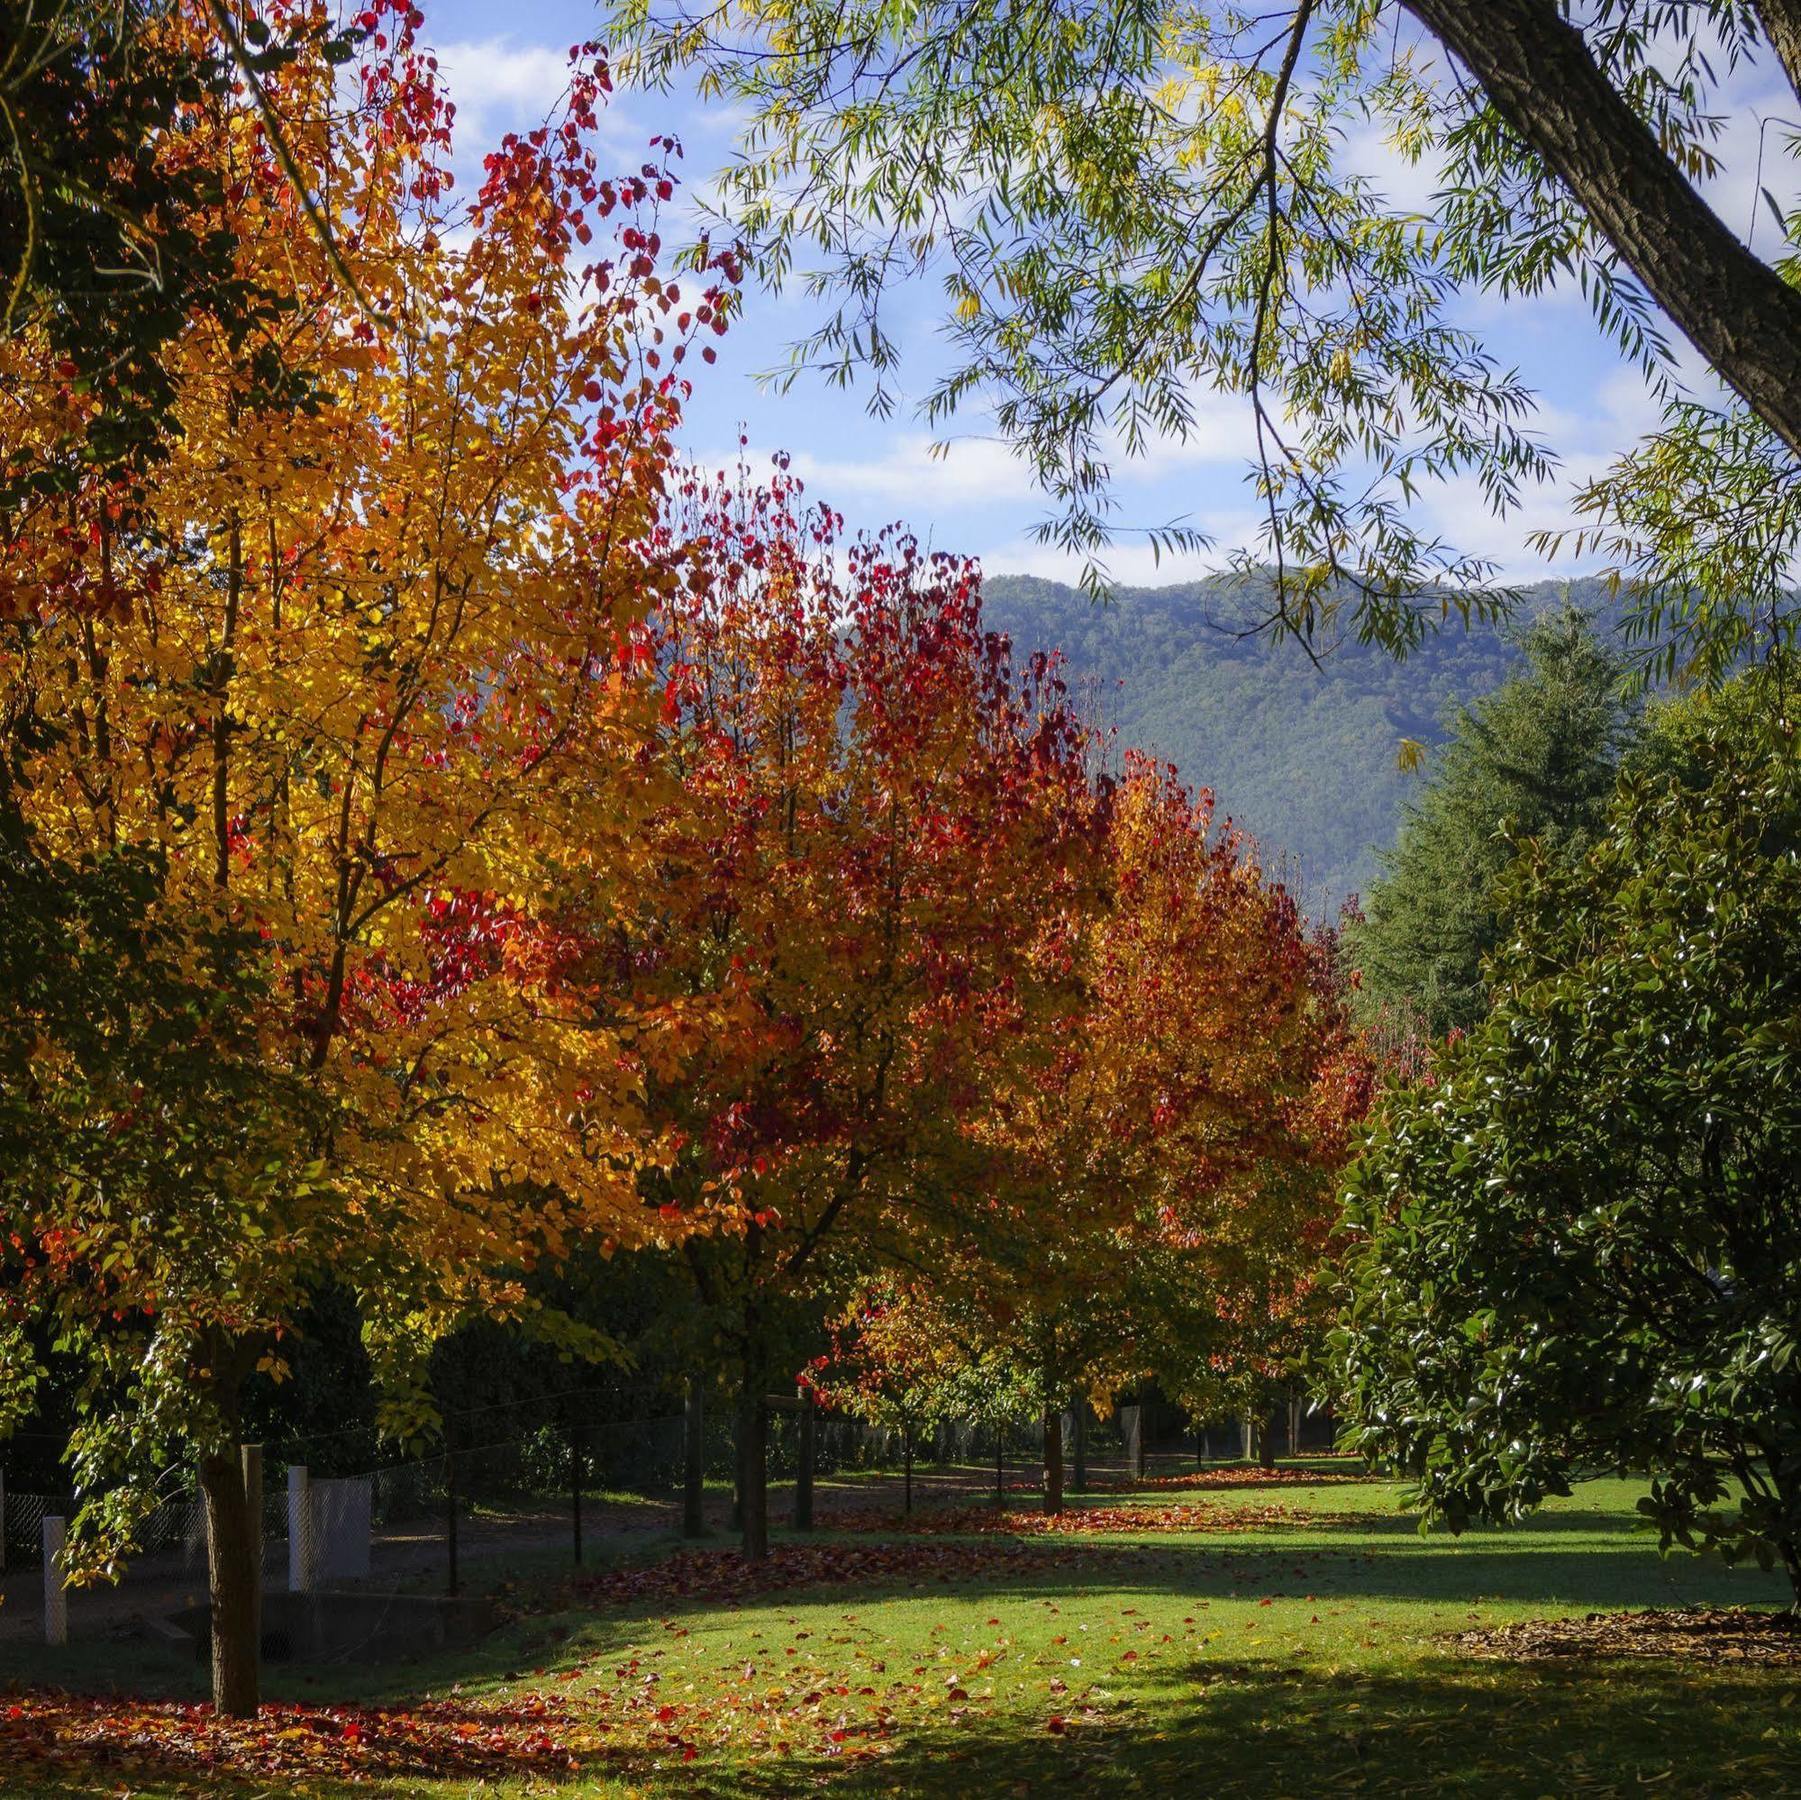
[
  {"x": 303, "y": 1559},
  {"x": 56, "y": 1597}
]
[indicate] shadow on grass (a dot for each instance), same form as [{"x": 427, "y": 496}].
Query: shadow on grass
[
  {"x": 1217, "y": 1724},
  {"x": 1459, "y": 1728},
  {"x": 1477, "y": 1730}
]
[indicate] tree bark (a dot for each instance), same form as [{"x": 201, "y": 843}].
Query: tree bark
[
  {"x": 809, "y": 1453},
  {"x": 1781, "y": 20},
  {"x": 1053, "y": 1458},
  {"x": 753, "y": 1466},
  {"x": 1078, "y": 1474},
  {"x": 694, "y": 1474},
  {"x": 907, "y": 1462},
  {"x": 232, "y": 1578},
  {"x": 1538, "y": 73}
]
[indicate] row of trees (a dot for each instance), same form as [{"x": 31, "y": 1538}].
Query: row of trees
[{"x": 446, "y": 842}]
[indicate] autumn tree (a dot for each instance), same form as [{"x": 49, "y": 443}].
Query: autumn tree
[
  {"x": 1134, "y": 210},
  {"x": 109, "y": 245},
  {"x": 896, "y": 1362},
  {"x": 873, "y": 822},
  {"x": 1164, "y": 1178},
  {"x": 317, "y": 685}
]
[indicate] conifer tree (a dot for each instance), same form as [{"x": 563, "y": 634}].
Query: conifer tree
[{"x": 1541, "y": 752}]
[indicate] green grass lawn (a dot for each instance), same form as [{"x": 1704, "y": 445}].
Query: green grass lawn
[{"x": 1298, "y": 1655}]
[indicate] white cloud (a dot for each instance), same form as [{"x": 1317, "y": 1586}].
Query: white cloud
[{"x": 500, "y": 85}]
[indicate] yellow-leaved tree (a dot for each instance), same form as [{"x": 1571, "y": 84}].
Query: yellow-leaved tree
[{"x": 304, "y": 724}]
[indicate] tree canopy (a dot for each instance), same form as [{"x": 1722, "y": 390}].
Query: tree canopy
[
  {"x": 1578, "y": 1241},
  {"x": 1535, "y": 760},
  {"x": 1135, "y": 207}
]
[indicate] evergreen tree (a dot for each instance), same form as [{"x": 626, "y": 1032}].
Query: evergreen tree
[{"x": 1540, "y": 754}]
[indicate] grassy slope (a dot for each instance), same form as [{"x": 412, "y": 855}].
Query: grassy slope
[{"x": 1291, "y": 1660}]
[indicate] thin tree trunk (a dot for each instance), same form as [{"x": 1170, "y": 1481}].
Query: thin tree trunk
[
  {"x": 753, "y": 1466},
  {"x": 232, "y": 1579},
  {"x": 1000, "y": 1466},
  {"x": 1053, "y": 1458},
  {"x": 1078, "y": 1476},
  {"x": 694, "y": 1484},
  {"x": 1266, "y": 1445},
  {"x": 575, "y": 1487},
  {"x": 809, "y": 1454},
  {"x": 907, "y": 1463}
]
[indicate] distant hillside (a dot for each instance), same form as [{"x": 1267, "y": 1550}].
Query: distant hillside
[{"x": 1303, "y": 759}]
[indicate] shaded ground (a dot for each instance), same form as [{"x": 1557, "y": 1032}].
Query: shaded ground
[
  {"x": 412, "y": 1552},
  {"x": 1297, "y": 1658}
]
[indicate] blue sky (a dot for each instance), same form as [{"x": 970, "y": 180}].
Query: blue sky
[{"x": 503, "y": 65}]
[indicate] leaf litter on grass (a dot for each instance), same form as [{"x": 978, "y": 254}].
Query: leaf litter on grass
[{"x": 1708, "y": 1634}]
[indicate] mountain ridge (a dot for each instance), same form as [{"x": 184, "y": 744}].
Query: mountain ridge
[{"x": 1303, "y": 759}]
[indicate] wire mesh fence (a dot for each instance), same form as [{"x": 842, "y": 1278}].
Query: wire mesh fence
[{"x": 561, "y": 1479}]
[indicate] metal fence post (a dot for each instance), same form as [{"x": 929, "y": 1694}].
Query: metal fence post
[{"x": 56, "y": 1596}]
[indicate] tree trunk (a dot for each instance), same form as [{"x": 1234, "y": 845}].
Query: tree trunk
[
  {"x": 232, "y": 1576},
  {"x": 575, "y": 1488},
  {"x": 1078, "y": 1476},
  {"x": 809, "y": 1453},
  {"x": 1053, "y": 1458},
  {"x": 1000, "y": 1465},
  {"x": 1543, "y": 80},
  {"x": 1266, "y": 1444},
  {"x": 694, "y": 1472},
  {"x": 1294, "y": 1424},
  {"x": 907, "y": 1463},
  {"x": 753, "y": 1467}
]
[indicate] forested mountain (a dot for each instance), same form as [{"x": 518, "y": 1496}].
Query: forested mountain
[{"x": 1304, "y": 759}]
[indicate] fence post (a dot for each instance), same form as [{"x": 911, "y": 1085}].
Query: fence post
[
  {"x": 1131, "y": 1424},
  {"x": 251, "y": 1459},
  {"x": 56, "y": 1596},
  {"x": 450, "y": 1509},
  {"x": 694, "y": 1446},
  {"x": 575, "y": 1485},
  {"x": 303, "y": 1558}
]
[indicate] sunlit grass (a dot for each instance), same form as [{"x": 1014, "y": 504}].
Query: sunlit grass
[{"x": 1298, "y": 1657}]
